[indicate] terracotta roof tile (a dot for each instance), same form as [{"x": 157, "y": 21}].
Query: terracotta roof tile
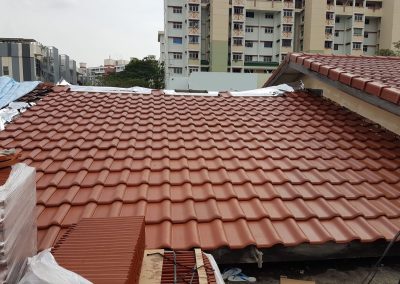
[
  {"x": 211, "y": 172},
  {"x": 376, "y": 75}
]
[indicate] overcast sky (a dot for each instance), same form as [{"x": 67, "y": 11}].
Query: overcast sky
[{"x": 87, "y": 30}]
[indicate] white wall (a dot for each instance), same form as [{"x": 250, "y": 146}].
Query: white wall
[{"x": 218, "y": 81}]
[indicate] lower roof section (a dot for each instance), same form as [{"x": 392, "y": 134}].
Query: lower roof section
[{"x": 211, "y": 172}]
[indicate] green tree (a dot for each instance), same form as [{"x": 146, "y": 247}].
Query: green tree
[
  {"x": 386, "y": 52},
  {"x": 390, "y": 52},
  {"x": 146, "y": 72}
]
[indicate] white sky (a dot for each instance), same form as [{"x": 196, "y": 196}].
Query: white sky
[{"x": 87, "y": 30}]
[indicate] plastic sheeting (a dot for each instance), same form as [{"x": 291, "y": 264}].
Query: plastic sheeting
[
  {"x": 17, "y": 223},
  {"x": 7, "y": 114},
  {"x": 44, "y": 269},
  {"x": 11, "y": 90},
  {"x": 265, "y": 92},
  {"x": 175, "y": 93},
  {"x": 95, "y": 89}
]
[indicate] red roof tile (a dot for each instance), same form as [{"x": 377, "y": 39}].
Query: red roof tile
[
  {"x": 103, "y": 250},
  {"x": 211, "y": 172},
  {"x": 376, "y": 75},
  {"x": 4, "y": 174}
]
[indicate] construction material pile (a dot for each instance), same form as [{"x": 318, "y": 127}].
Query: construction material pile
[{"x": 17, "y": 217}]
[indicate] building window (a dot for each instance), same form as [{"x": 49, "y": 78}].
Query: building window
[
  {"x": 237, "y": 56},
  {"x": 267, "y": 58},
  {"x": 365, "y": 48},
  {"x": 268, "y": 44},
  {"x": 329, "y": 30},
  {"x": 238, "y": 10},
  {"x": 286, "y": 42},
  {"x": 193, "y": 39},
  {"x": 193, "y": 69},
  {"x": 336, "y": 47},
  {"x": 358, "y": 17},
  {"x": 366, "y": 21},
  {"x": 328, "y": 44},
  {"x": 6, "y": 71},
  {"x": 194, "y": 24},
  {"x": 238, "y": 41},
  {"x": 287, "y": 28},
  {"x": 177, "y": 25},
  {"x": 237, "y": 70},
  {"x": 337, "y": 20},
  {"x": 177, "y": 55},
  {"x": 249, "y": 14},
  {"x": 249, "y": 29},
  {"x": 177, "y": 40},
  {"x": 193, "y": 7},
  {"x": 249, "y": 43},
  {"x": 356, "y": 45},
  {"x": 336, "y": 34},
  {"x": 238, "y": 26},
  {"x": 248, "y": 58},
  {"x": 287, "y": 13},
  {"x": 366, "y": 35},
  {"x": 329, "y": 15},
  {"x": 177, "y": 70},
  {"x": 269, "y": 16},
  {"x": 269, "y": 30},
  {"x": 283, "y": 57},
  {"x": 357, "y": 32},
  {"x": 193, "y": 55},
  {"x": 177, "y": 10}
]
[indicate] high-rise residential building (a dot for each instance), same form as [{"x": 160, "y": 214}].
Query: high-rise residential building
[
  {"x": 28, "y": 60},
  {"x": 254, "y": 36}
]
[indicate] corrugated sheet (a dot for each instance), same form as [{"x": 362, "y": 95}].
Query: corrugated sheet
[{"x": 11, "y": 90}]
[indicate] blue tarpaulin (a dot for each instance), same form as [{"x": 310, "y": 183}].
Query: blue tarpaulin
[{"x": 11, "y": 90}]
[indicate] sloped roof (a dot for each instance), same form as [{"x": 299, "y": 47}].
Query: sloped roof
[
  {"x": 375, "y": 75},
  {"x": 211, "y": 172}
]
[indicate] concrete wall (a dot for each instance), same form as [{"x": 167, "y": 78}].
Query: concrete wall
[
  {"x": 384, "y": 118},
  {"x": 390, "y": 24},
  {"x": 219, "y": 33},
  {"x": 314, "y": 26}
]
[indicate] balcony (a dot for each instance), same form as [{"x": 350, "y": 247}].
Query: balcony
[
  {"x": 358, "y": 38},
  {"x": 330, "y": 8},
  {"x": 237, "y": 63},
  {"x": 288, "y": 20},
  {"x": 194, "y": 1},
  {"x": 194, "y": 46},
  {"x": 287, "y": 35},
  {"x": 238, "y": 17},
  {"x": 264, "y": 5},
  {"x": 238, "y": 3},
  {"x": 194, "y": 31},
  {"x": 237, "y": 48},
  {"x": 194, "y": 15},
  {"x": 328, "y": 36},
  {"x": 194, "y": 62},
  {"x": 238, "y": 33},
  {"x": 261, "y": 64},
  {"x": 286, "y": 49},
  {"x": 288, "y": 4},
  {"x": 330, "y": 22}
]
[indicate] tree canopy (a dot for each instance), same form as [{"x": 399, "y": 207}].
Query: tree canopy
[
  {"x": 390, "y": 52},
  {"x": 146, "y": 72}
]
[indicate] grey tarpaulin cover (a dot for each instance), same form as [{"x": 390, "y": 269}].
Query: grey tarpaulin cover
[{"x": 11, "y": 90}]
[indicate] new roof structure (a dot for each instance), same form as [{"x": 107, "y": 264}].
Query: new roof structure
[
  {"x": 211, "y": 172},
  {"x": 374, "y": 75}
]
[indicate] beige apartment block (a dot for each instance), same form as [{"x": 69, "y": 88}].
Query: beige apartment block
[{"x": 254, "y": 36}]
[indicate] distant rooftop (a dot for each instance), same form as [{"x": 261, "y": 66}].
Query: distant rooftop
[{"x": 18, "y": 40}]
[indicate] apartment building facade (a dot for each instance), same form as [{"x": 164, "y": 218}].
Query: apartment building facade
[
  {"x": 29, "y": 60},
  {"x": 254, "y": 36}
]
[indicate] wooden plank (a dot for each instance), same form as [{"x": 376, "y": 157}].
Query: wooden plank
[{"x": 201, "y": 271}]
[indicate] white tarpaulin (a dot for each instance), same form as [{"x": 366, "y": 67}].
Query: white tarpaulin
[
  {"x": 267, "y": 92},
  {"x": 175, "y": 93},
  {"x": 96, "y": 89},
  {"x": 11, "y": 90}
]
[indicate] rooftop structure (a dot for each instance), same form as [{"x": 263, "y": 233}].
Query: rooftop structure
[{"x": 223, "y": 173}]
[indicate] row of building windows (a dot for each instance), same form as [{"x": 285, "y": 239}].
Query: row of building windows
[
  {"x": 192, "y": 55},
  {"x": 328, "y": 44},
  {"x": 192, "y": 8},
  {"x": 192, "y": 40}
]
